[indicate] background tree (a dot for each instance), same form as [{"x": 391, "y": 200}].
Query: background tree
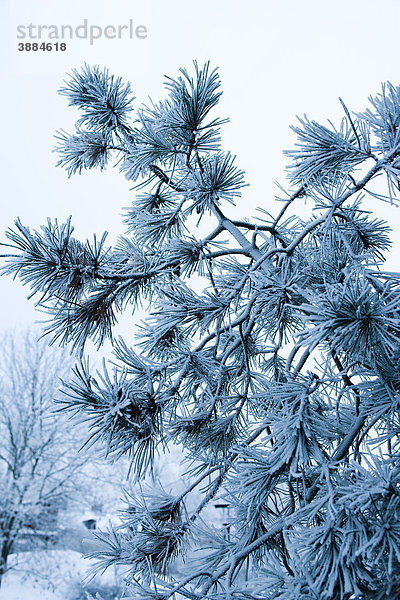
[
  {"x": 39, "y": 459},
  {"x": 271, "y": 349}
]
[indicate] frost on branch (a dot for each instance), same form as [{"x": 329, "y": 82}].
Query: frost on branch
[{"x": 270, "y": 350}]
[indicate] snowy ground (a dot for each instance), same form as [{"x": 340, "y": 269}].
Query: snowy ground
[{"x": 50, "y": 575}]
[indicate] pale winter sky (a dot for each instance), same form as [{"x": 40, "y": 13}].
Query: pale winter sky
[{"x": 276, "y": 59}]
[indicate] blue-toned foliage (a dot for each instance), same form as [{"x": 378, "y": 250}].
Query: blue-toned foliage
[{"x": 270, "y": 350}]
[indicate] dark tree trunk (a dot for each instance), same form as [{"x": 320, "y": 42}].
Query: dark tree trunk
[{"x": 6, "y": 548}]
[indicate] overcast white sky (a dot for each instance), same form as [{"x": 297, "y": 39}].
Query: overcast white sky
[{"x": 276, "y": 59}]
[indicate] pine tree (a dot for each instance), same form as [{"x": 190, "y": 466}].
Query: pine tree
[{"x": 271, "y": 350}]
